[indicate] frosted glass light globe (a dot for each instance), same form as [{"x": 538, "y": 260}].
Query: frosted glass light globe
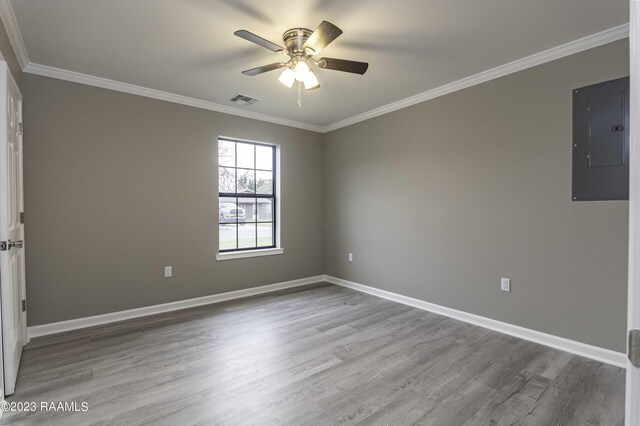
[
  {"x": 301, "y": 70},
  {"x": 311, "y": 81},
  {"x": 287, "y": 77}
]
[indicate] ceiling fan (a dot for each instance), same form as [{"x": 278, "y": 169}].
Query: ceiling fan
[{"x": 301, "y": 45}]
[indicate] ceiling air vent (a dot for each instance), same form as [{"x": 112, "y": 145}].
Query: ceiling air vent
[{"x": 243, "y": 100}]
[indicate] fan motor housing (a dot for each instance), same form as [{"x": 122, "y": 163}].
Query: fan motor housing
[{"x": 295, "y": 38}]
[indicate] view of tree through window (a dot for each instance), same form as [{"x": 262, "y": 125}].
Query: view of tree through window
[{"x": 246, "y": 205}]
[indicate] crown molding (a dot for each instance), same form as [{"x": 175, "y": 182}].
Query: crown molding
[
  {"x": 13, "y": 31},
  {"x": 76, "y": 77},
  {"x": 570, "y": 48},
  {"x": 576, "y": 46}
]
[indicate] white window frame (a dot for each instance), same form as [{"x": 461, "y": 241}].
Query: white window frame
[{"x": 278, "y": 249}]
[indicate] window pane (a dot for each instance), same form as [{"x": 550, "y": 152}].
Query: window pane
[
  {"x": 226, "y": 153},
  {"x": 228, "y": 211},
  {"x": 264, "y": 157},
  {"x": 226, "y": 179},
  {"x": 246, "y": 181},
  {"x": 246, "y": 154},
  {"x": 227, "y": 239},
  {"x": 246, "y": 222},
  {"x": 247, "y": 209},
  {"x": 247, "y": 235},
  {"x": 265, "y": 210},
  {"x": 264, "y": 182},
  {"x": 265, "y": 234}
]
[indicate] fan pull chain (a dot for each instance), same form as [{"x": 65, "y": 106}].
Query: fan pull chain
[{"x": 299, "y": 95}]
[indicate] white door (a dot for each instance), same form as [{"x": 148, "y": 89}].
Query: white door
[
  {"x": 633, "y": 371},
  {"x": 12, "y": 276}
]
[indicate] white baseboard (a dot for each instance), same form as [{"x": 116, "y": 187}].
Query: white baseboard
[
  {"x": 607, "y": 356},
  {"x": 75, "y": 324}
]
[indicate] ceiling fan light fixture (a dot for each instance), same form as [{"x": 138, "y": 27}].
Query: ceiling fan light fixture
[
  {"x": 301, "y": 71},
  {"x": 287, "y": 77},
  {"x": 300, "y": 46},
  {"x": 311, "y": 81}
]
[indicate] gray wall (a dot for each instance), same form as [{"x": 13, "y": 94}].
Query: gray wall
[
  {"x": 117, "y": 186},
  {"x": 436, "y": 201},
  {"x": 440, "y": 200}
]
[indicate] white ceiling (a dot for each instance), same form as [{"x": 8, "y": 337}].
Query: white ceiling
[{"x": 187, "y": 47}]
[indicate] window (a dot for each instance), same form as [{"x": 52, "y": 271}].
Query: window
[{"x": 247, "y": 196}]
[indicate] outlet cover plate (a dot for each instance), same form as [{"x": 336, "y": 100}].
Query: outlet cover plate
[{"x": 505, "y": 284}]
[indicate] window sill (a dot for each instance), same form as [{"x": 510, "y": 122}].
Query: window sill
[{"x": 248, "y": 253}]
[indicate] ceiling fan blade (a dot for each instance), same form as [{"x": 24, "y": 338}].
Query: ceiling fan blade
[
  {"x": 258, "y": 40},
  {"x": 343, "y": 65},
  {"x": 264, "y": 68},
  {"x": 322, "y": 36}
]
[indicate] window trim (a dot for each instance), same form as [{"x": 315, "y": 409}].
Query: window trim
[
  {"x": 243, "y": 254},
  {"x": 240, "y": 253}
]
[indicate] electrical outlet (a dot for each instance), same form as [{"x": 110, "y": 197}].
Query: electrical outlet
[
  {"x": 350, "y": 257},
  {"x": 505, "y": 284},
  {"x": 168, "y": 271}
]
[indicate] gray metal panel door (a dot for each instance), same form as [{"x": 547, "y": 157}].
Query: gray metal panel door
[{"x": 601, "y": 141}]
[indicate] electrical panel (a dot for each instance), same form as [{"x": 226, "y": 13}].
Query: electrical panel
[{"x": 601, "y": 141}]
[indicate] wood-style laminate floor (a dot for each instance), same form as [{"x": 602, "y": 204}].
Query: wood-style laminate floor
[{"x": 315, "y": 355}]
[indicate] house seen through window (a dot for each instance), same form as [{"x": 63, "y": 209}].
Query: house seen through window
[{"x": 247, "y": 197}]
